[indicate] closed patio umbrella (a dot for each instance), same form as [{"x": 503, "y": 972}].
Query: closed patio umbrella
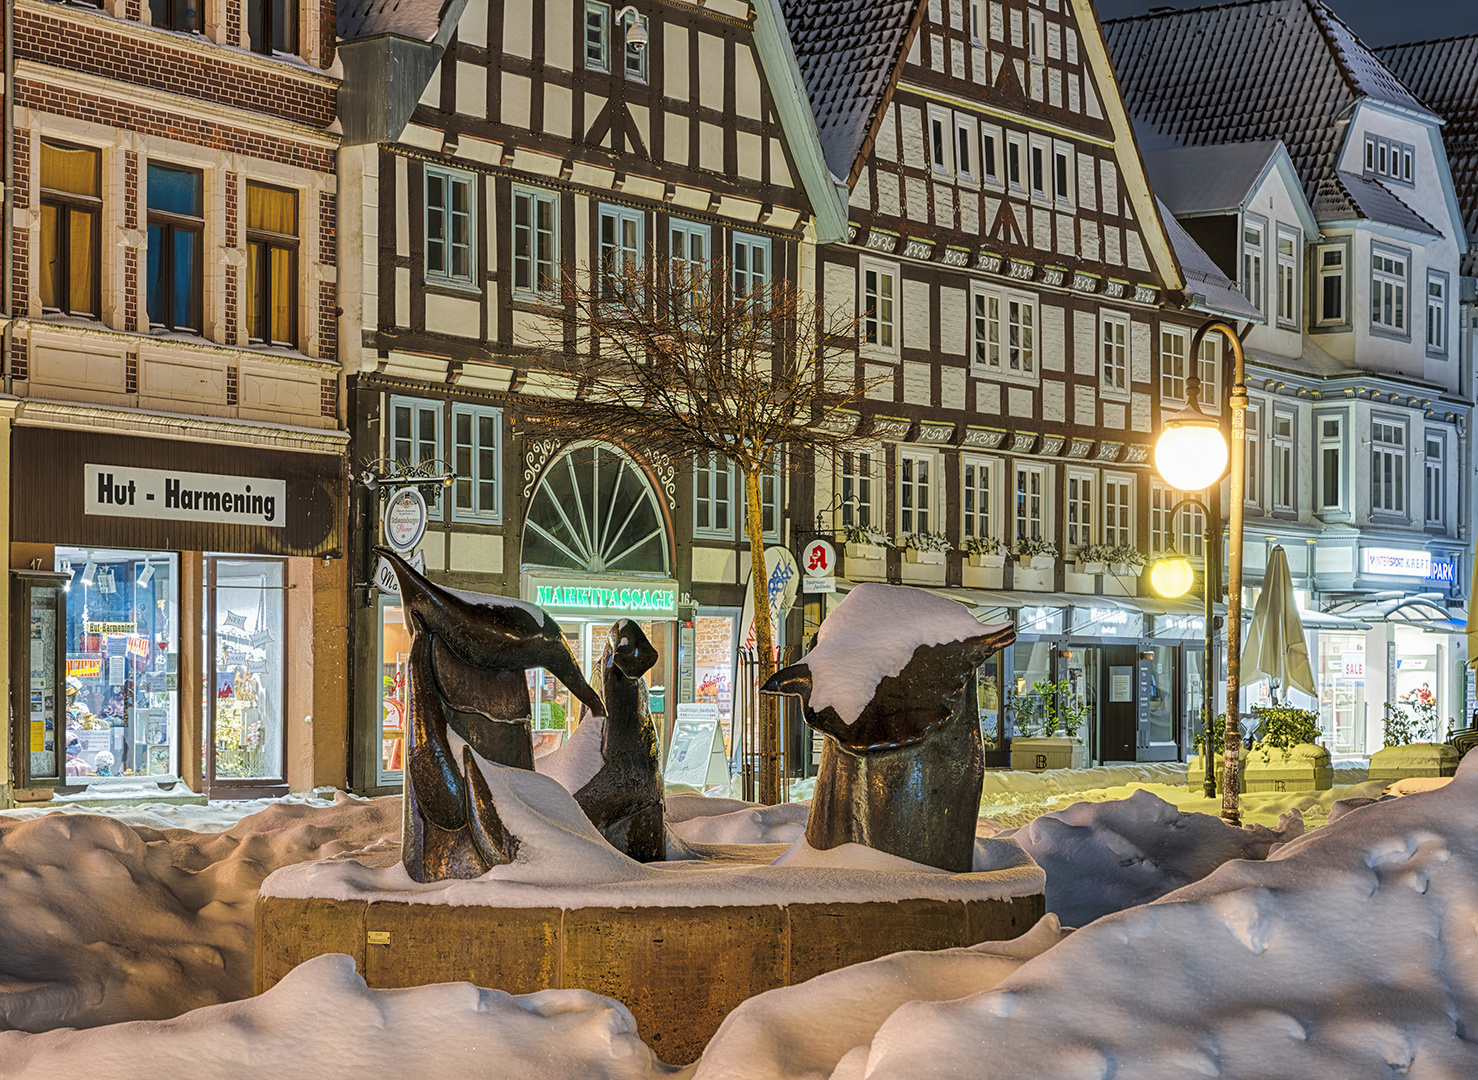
[{"x": 1275, "y": 647}]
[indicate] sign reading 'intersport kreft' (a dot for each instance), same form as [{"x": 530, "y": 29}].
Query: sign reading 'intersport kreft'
[{"x": 171, "y": 495}]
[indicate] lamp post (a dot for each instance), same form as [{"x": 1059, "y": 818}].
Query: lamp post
[{"x": 1192, "y": 454}]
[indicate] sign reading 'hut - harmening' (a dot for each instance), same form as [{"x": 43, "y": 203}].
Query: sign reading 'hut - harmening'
[{"x": 167, "y": 494}]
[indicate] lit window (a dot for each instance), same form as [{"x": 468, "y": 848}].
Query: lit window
[
  {"x": 272, "y": 265},
  {"x": 71, "y": 228}
]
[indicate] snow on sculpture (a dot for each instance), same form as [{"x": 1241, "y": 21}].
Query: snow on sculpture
[
  {"x": 469, "y": 652},
  {"x": 890, "y": 685},
  {"x": 624, "y": 798}
]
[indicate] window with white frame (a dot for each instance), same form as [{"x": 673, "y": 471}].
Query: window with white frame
[
  {"x": 1172, "y": 363},
  {"x": 597, "y": 35},
  {"x": 1184, "y": 530},
  {"x": 713, "y": 497},
  {"x": 477, "y": 454},
  {"x": 939, "y": 140},
  {"x": 985, "y": 328},
  {"x": 1062, "y": 173},
  {"x": 980, "y": 482},
  {"x": 635, "y": 63},
  {"x": 1040, "y": 149},
  {"x": 1080, "y": 502},
  {"x": 918, "y": 473},
  {"x": 1436, "y": 313},
  {"x": 879, "y": 307},
  {"x": 1114, "y": 352},
  {"x": 1208, "y": 367},
  {"x": 535, "y": 242},
  {"x": 1021, "y": 335},
  {"x": 1287, "y": 277},
  {"x": 771, "y": 494},
  {"x": 689, "y": 246},
  {"x": 1434, "y": 483},
  {"x": 990, "y": 154},
  {"x": 1281, "y": 461},
  {"x": 1016, "y": 161},
  {"x": 1388, "y": 466},
  {"x": 751, "y": 266},
  {"x": 965, "y": 148},
  {"x": 1331, "y": 463},
  {"x": 1331, "y": 269},
  {"x": 1390, "y": 159},
  {"x": 1253, "y": 252},
  {"x": 977, "y": 21},
  {"x": 1118, "y": 510},
  {"x": 1388, "y": 278},
  {"x": 414, "y": 438},
  {"x": 1030, "y": 488},
  {"x": 1252, "y": 457},
  {"x": 621, "y": 229},
  {"x": 859, "y": 488},
  {"x": 1036, "y": 35},
  {"x": 450, "y": 225}
]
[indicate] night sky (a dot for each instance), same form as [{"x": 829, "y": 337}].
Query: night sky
[{"x": 1378, "y": 22}]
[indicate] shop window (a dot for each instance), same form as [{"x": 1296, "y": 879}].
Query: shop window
[
  {"x": 1031, "y": 503},
  {"x": 1080, "y": 503},
  {"x": 880, "y": 308},
  {"x": 395, "y": 651},
  {"x": 122, "y": 643},
  {"x": 272, "y": 265},
  {"x": 621, "y": 229},
  {"x": 713, "y": 671},
  {"x": 1388, "y": 466},
  {"x": 246, "y": 740},
  {"x": 1342, "y": 705},
  {"x": 535, "y": 243},
  {"x": 450, "y": 226},
  {"x": 272, "y": 25},
  {"x": 858, "y": 488},
  {"x": 1434, "y": 483},
  {"x": 597, "y": 36},
  {"x": 176, "y": 230},
  {"x": 176, "y": 14},
  {"x": 918, "y": 472},
  {"x": 980, "y": 515},
  {"x": 713, "y": 497},
  {"x": 414, "y": 439},
  {"x": 71, "y": 229},
  {"x": 477, "y": 457}
]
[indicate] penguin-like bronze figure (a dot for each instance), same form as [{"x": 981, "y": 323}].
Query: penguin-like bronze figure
[
  {"x": 465, "y": 671},
  {"x": 904, "y": 776},
  {"x": 624, "y": 798}
]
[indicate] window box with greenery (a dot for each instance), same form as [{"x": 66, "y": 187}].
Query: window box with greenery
[
  {"x": 1092, "y": 559},
  {"x": 865, "y": 542},
  {"x": 984, "y": 551},
  {"x": 1285, "y": 754},
  {"x": 1035, "y": 554},
  {"x": 1411, "y": 748},
  {"x": 1126, "y": 561},
  {"x": 1047, "y": 720},
  {"x": 926, "y": 547}
]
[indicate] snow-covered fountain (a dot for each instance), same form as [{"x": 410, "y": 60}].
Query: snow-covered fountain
[{"x": 524, "y": 878}]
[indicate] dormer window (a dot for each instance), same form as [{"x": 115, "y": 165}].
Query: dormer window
[{"x": 1390, "y": 159}]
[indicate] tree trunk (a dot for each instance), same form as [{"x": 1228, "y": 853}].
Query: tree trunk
[{"x": 764, "y": 646}]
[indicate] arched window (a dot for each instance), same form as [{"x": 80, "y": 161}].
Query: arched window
[{"x": 594, "y": 511}]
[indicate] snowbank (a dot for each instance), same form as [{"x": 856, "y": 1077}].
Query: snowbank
[
  {"x": 322, "y": 1021},
  {"x": 1349, "y": 953},
  {"x": 104, "y": 921},
  {"x": 575, "y": 762}
]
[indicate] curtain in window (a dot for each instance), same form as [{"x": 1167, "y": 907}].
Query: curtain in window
[
  {"x": 66, "y": 169},
  {"x": 82, "y": 270},
  {"x": 51, "y": 265},
  {"x": 271, "y": 210}
]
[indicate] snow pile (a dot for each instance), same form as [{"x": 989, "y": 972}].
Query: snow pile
[
  {"x": 783, "y": 823},
  {"x": 1350, "y": 952},
  {"x": 872, "y": 635},
  {"x": 564, "y": 862},
  {"x": 1102, "y": 857},
  {"x": 575, "y": 762},
  {"x": 103, "y": 921},
  {"x": 801, "y": 1032},
  {"x": 196, "y": 817},
  {"x": 321, "y": 1021}
]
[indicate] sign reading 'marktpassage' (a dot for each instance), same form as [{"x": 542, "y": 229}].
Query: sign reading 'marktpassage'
[{"x": 167, "y": 494}]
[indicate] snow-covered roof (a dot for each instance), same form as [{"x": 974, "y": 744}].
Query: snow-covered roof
[{"x": 1208, "y": 179}]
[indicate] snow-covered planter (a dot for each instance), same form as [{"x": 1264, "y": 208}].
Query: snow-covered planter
[
  {"x": 1195, "y": 772},
  {"x": 1036, "y": 753},
  {"x": 994, "y": 562},
  {"x": 1305, "y": 767},
  {"x": 1418, "y": 759},
  {"x": 984, "y": 551},
  {"x": 1091, "y": 558},
  {"x": 929, "y": 548},
  {"x": 867, "y": 543}
]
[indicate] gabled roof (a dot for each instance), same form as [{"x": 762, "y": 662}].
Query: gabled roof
[
  {"x": 1444, "y": 74},
  {"x": 1347, "y": 196},
  {"x": 1246, "y": 72},
  {"x": 418, "y": 20},
  {"x": 1206, "y": 287},
  {"x": 1208, "y": 179},
  {"x": 849, "y": 52}
]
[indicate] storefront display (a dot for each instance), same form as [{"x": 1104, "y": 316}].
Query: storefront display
[
  {"x": 713, "y": 672},
  {"x": 245, "y": 604},
  {"x": 395, "y": 647},
  {"x": 1341, "y": 678},
  {"x": 122, "y": 692}
]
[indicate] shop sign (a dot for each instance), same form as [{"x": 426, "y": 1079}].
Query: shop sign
[
  {"x": 599, "y": 598},
  {"x": 818, "y": 564},
  {"x": 1443, "y": 572},
  {"x": 1353, "y": 665},
  {"x": 405, "y": 519},
  {"x": 783, "y": 578},
  {"x": 171, "y": 495},
  {"x": 111, "y": 629},
  {"x": 84, "y": 667},
  {"x": 385, "y": 574},
  {"x": 1397, "y": 562}
]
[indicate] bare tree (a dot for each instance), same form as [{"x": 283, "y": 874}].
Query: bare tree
[{"x": 688, "y": 359}]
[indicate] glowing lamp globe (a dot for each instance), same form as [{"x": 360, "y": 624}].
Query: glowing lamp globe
[
  {"x": 1172, "y": 577},
  {"x": 1191, "y": 455}
]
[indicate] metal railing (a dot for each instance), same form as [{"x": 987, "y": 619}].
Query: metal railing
[{"x": 746, "y": 753}]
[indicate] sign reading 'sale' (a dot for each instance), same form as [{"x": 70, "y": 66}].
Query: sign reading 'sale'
[{"x": 167, "y": 494}]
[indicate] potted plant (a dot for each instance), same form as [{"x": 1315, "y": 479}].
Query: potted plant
[
  {"x": 984, "y": 551},
  {"x": 1125, "y": 560},
  {"x": 1035, "y": 554},
  {"x": 1284, "y": 754},
  {"x": 1411, "y": 747},
  {"x": 1049, "y": 717},
  {"x": 1092, "y": 558},
  {"x": 865, "y": 542},
  {"x": 926, "y": 547}
]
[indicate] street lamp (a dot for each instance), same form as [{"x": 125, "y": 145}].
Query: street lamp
[{"x": 1191, "y": 454}]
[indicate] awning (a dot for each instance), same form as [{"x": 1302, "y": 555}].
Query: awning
[{"x": 1427, "y": 611}]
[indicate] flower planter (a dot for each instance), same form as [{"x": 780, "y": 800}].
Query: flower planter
[
  {"x": 981, "y": 560},
  {"x": 1043, "y": 562},
  {"x": 1033, "y": 754},
  {"x": 1419, "y": 759},
  {"x": 867, "y": 562},
  {"x": 1087, "y": 566},
  {"x": 1306, "y": 767},
  {"x": 983, "y": 572},
  {"x": 866, "y": 551},
  {"x": 929, "y": 558},
  {"x": 1195, "y": 772}
]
